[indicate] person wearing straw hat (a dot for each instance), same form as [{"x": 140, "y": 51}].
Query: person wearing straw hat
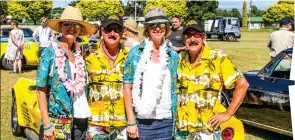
[
  {"x": 150, "y": 76},
  {"x": 202, "y": 74},
  {"x": 62, "y": 80},
  {"x": 130, "y": 34},
  {"x": 105, "y": 67}
]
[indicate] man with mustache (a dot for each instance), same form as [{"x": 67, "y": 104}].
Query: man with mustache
[
  {"x": 105, "y": 67},
  {"x": 202, "y": 73}
]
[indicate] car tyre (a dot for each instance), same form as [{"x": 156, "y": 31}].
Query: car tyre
[
  {"x": 6, "y": 64},
  {"x": 230, "y": 37},
  {"x": 17, "y": 130}
]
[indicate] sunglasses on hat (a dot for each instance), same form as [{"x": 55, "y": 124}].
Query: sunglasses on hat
[
  {"x": 116, "y": 29},
  {"x": 155, "y": 25},
  {"x": 190, "y": 34},
  {"x": 76, "y": 25}
]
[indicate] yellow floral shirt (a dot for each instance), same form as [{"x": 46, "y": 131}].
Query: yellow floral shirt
[
  {"x": 106, "y": 88},
  {"x": 199, "y": 87}
]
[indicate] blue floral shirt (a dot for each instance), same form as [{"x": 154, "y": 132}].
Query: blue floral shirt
[
  {"x": 130, "y": 68},
  {"x": 59, "y": 100}
]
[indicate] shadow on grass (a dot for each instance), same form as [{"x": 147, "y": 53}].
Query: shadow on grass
[{"x": 264, "y": 134}]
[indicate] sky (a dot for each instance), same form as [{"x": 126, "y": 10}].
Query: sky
[{"x": 223, "y": 4}]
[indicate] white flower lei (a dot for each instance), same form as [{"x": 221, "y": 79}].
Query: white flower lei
[
  {"x": 145, "y": 104},
  {"x": 78, "y": 84}
]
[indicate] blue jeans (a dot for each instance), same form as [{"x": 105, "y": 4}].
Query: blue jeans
[{"x": 151, "y": 129}]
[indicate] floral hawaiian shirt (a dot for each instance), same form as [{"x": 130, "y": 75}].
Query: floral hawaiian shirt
[
  {"x": 106, "y": 88},
  {"x": 200, "y": 85},
  {"x": 131, "y": 64},
  {"x": 59, "y": 100}
]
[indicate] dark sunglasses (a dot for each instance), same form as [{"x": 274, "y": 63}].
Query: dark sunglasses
[
  {"x": 195, "y": 34},
  {"x": 116, "y": 29},
  {"x": 155, "y": 25},
  {"x": 76, "y": 25}
]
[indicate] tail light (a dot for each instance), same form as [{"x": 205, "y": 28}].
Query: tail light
[{"x": 228, "y": 133}]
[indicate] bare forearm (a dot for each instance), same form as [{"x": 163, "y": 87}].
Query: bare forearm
[
  {"x": 43, "y": 106},
  {"x": 238, "y": 96},
  {"x": 128, "y": 103}
]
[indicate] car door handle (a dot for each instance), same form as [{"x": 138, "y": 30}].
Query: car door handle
[{"x": 273, "y": 80}]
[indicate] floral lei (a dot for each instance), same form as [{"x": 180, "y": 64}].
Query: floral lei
[
  {"x": 72, "y": 85},
  {"x": 145, "y": 103}
]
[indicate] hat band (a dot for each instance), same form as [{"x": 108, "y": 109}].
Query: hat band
[{"x": 155, "y": 18}]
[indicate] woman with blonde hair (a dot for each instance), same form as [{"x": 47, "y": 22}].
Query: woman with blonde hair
[
  {"x": 150, "y": 74},
  {"x": 62, "y": 80}
]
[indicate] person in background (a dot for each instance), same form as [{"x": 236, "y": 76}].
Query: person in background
[
  {"x": 105, "y": 67},
  {"x": 202, "y": 73},
  {"x": 45, "y": 35},
  {"x": 150, "y": 75},
  {"x": 61, "y": 82},
  {"x": 130, "y": 34},
  {"x": 176, "y": 41},
  {"x": 97, "y": 35},
  {"x": 281, "y": 39},
  {"x": 14, "y": 51}
]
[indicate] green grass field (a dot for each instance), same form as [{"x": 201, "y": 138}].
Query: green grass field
[{"x": 249, "y": 53}]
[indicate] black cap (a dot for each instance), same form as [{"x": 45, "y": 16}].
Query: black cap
[
  {"x": 286, "y": 21},
  {"x": 112, "y": 19},
  {"x": 195, "y": 24}
]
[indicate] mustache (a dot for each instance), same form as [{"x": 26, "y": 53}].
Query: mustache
[
  {"x": 112, "y": 37},
  {"x": 193, "y": 43}
]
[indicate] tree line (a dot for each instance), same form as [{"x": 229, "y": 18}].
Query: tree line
[{"x": 187, "y": 9}]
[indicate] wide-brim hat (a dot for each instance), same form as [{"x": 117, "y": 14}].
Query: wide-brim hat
[
  {"x": 195, "y": 24},
  {"x": 72, "y": 14},
  {"x": 155, "y": 15},
  {"x": 131, "y": 25}
]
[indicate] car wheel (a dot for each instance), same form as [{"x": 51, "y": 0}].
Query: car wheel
[
  {"x": 17, "y": 130},
  {"x": 6, "y": 64},
  {"x": 230, "y": 37}
]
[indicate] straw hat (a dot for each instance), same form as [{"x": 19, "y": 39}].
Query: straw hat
[
  {"x": 131, "y": 25},
  {"x": 72, "y": 14}
]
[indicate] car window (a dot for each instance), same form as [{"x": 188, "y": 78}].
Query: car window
[
  {"x": 282, "y": 70},
  {"x": 27, "y": 32},
  {"x": 5, "y": 32},
  {"x": 267, "y": 70}
]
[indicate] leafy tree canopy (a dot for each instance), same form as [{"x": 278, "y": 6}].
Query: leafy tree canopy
[
  {"x": 277, "y": 12},
  {"x": 255, "y": 11},
  {"x": 29, "y": 10},
  {"x": 202, "y": 10},
  {"x": 97, "y": 10},
  {"x": 171, "y": 8},
  {"x": 245, "y": 15}
]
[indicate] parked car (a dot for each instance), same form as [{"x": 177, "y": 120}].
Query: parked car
[
  {"x": 267, "y": 103},
  {"x": 26, "y": 116},
  {"x": 30, "y": 48}
]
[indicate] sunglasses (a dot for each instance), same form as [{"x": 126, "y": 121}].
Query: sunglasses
[
  {"x": 116, "y": 29},
  {"x": 195, "y": 34},
  {"x": 155, "y": 25},
  {"x": 76, "y": 25}
]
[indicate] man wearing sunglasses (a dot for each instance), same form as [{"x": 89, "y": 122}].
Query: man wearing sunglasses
[
  {"x": 45, "y": 35},
  {"x": 202, "y": 73},
  {"x": 105, "y": 68}
]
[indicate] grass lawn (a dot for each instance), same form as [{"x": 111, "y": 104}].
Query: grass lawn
[{"x": 249, "y": 53}]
